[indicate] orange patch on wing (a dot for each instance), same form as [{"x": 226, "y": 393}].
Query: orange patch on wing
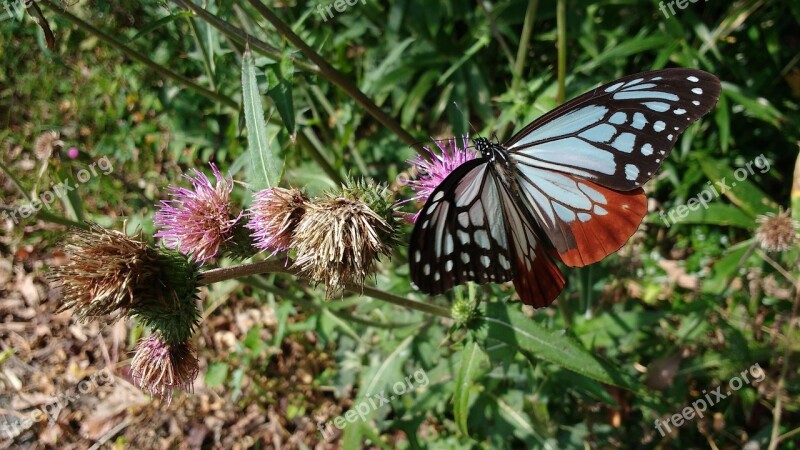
[
  {"x": 604, "y": 235},
  {"x": 540, "y": 285}
]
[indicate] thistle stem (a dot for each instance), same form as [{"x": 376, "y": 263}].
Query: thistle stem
[{"x": 273, "y": 266}]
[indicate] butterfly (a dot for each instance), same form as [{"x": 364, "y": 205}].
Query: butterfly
[{"x": 566, "y": 187}]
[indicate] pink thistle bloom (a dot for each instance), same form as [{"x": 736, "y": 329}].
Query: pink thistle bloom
[
  {"x": 73, "y": 152},
  {"x": 273, "y": 217},
  {"x": 197, "y": 221},
  {"x": 432, "y": 171},
  {"x": 159, "y": 367}
]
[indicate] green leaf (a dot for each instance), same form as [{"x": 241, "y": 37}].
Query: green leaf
[
  {"x": 279, "y": 88},
  {"x": 216, "y": 374},
  {"x": 506, "y": 323},
  {"x": 264, "y": 169},
  {"x": 758, "y": 107},
  {"x": 725, "y": 268},
  {"x": 472, "y": 358},
  {"x": 634, "y": 46}
]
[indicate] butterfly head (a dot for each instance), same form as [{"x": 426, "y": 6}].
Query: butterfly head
[{"x": 489, "y": 150}]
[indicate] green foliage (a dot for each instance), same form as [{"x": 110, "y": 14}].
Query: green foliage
[{"x": 682, "y": 309}]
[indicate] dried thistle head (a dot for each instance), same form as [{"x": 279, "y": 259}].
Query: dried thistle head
[
  {"x": 340, "y": 237},
  {"x": 198, "y": 221},
  {"x": 160, "y": 367},
  {"x": 106, "y": 272},
  {"x": 274, "y": 215},
  {"x": 46, "y": 143},
  {"x": 776, "y": 232},
  {"x": 110, "y": 273}
]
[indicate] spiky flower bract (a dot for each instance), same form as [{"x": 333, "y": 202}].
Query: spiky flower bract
[
  {"x": 464, "y": 311},
  {"x": 159, "y": 367},
  {"x": 171, "y": 306},
  {"x": 198, "y": 221},
  {"x": 432, "y": 171},
  {"x": 776, "y": 232},
  {"x": 340, "y": 237},
  {"x": 274, "y": 215},
  {"x": 106, "y": 273}
]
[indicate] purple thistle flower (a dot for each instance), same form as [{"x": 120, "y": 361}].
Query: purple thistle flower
[
  {"x": 159, "y": 367},
  {"x": 198, "y": 220},
  {"x": 73, "y": 152},
  {"x": 431, "y": 172},
  {"x": 273, "y": 217}
]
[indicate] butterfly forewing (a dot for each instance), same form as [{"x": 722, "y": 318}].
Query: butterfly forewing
[
  {"x": 460, "y": 233},
  {"x": 619, "y": 134},
  {"x": 580, "y": 167}
]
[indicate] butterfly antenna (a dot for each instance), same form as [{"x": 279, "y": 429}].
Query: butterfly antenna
[{"x": 465, "y": 116}]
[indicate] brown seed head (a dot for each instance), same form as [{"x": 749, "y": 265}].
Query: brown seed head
[
  {"x": 777, "y": 232},
  {"x": 338, "y": 241},
  {"x": 106, "y": 270}
]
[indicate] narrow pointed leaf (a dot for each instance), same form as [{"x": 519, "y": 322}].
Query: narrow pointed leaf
[
  {"x": 506, "y": 323},
  {"x": 472, "y": 358},
  {"x": 264, "y": 168}
]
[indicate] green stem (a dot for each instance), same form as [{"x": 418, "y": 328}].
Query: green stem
[
  {"x": 242, "y": 37},
  {"x": 337, "y": 78},
  {"x": 561, "y": 25},
  {"x": 775, "y": 437},
  {"x": 137, "y": 56},
  {"x": 524, "y": 42},
  {"x": 273, "y": 266}
]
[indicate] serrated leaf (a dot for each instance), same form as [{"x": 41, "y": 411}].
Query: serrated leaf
[
  {"x": 264, "y": 170},
  {"x": 506, "y": 323},
  {"x": 472, "y": 357}
]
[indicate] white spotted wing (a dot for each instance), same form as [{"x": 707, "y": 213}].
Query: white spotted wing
[{"x": 471, "y": 229}]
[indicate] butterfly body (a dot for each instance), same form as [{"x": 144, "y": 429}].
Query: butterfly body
[{"x": 567, "y": 187}]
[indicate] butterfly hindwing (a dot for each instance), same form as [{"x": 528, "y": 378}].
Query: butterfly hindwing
[
  {"x": 619, "y": 134},
  {"x": 460, "y": 233},
  {"x": 583, "y": 220},
  {"x": 538, "y": 280}
]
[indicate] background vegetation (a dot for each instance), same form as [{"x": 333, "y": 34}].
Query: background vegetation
[{"x": 156, "y": 88}]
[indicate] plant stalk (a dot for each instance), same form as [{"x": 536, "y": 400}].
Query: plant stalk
[{"x": 273, "y": 266}]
